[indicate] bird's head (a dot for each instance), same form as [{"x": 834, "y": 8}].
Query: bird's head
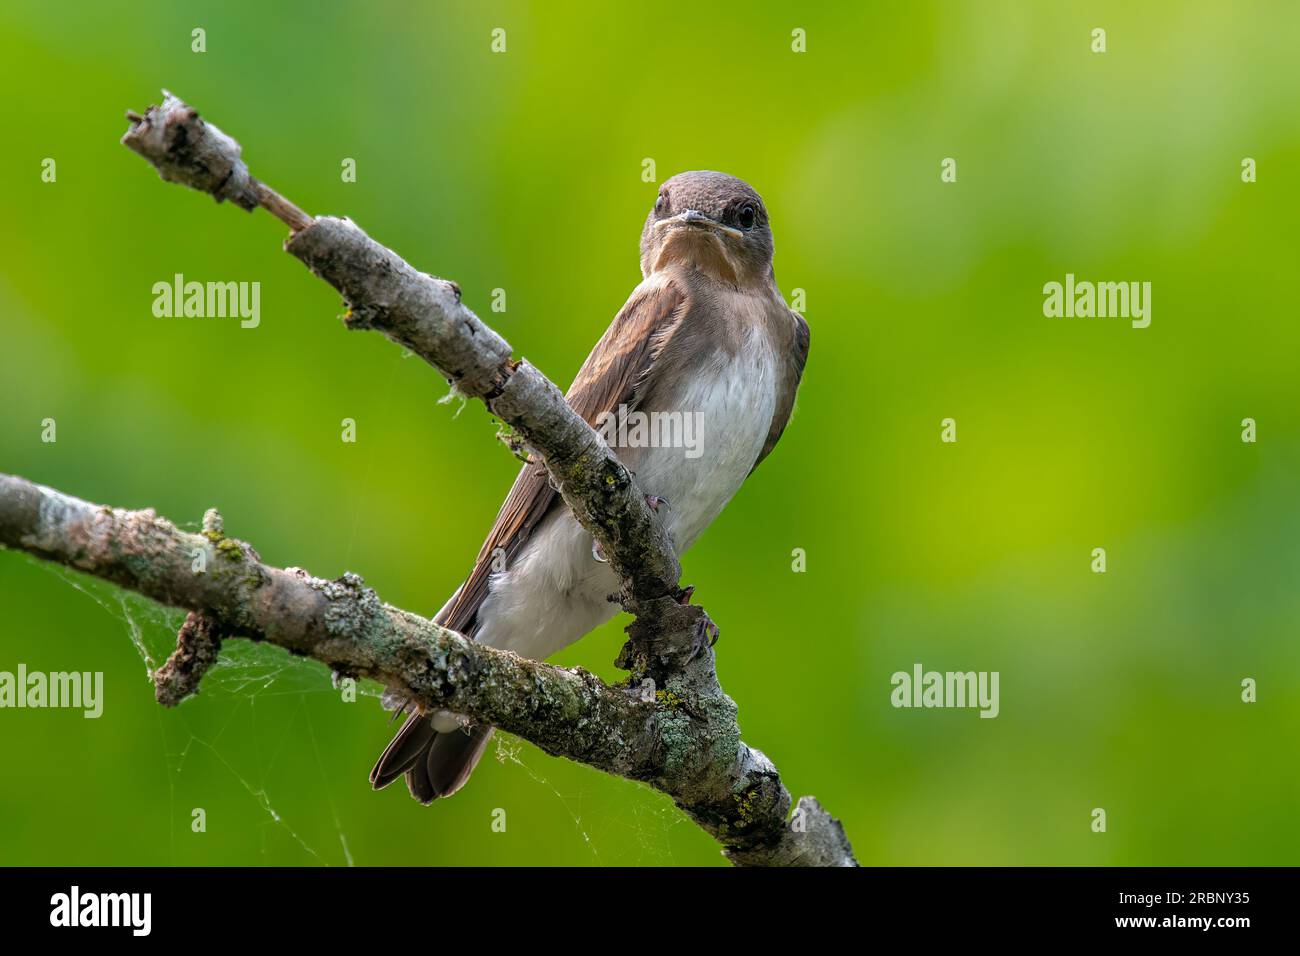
[{"x": 712, "y": 223}]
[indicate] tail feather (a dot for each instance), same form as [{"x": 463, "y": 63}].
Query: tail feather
[
  {"x": 436, "y": 765},
  {"x": 452, "y": 758},
  {"x": 418, "y": 782},
  {"x": 410, "y": 744}
]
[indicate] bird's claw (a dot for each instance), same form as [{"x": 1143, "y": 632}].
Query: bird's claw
[
  {"x": 706, "y": 635},
  {"x": 684, "y": 595},
  {"x": 655, "y": 502},
  {"x": 598, "y": 552}
]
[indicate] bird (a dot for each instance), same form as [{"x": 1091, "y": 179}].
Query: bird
[{"x": 706, "y": 344}]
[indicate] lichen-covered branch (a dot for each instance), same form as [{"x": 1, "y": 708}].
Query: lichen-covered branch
[
  {"x": 670, "y": 725},
  {"x": 678, "y": 734},
  {"x": 426, "y": 315},
  {"x": 198, "y": 644}
]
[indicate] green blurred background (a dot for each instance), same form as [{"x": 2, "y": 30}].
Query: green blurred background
[{"x": 522, "y": 171}]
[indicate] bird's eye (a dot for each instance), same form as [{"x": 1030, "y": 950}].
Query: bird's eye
[
  {"x": 661, "y": 204},
  {"x": 746, "y": 216}
]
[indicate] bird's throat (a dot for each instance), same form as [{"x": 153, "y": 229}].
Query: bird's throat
[{"x": 698, "y": 251}]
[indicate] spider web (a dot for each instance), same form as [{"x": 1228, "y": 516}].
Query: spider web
[
  {"x": 247, "y": 672},
  {"x": 244, "y": 673}
]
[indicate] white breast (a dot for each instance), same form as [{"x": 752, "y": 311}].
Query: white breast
[
  {"x": 732, "y": 404},
  {"x": 555, "y": 591}
]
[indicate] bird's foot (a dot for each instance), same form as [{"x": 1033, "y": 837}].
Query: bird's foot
[
  {"x": 598, "y": 552},
  {"x": 655, "y": 502},
  {"x": 706, "y": 635}
]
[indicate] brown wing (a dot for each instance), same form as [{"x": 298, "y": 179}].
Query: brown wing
[
  {"x": 787, "y": 388},
  {"x": 613, "y": 374}
]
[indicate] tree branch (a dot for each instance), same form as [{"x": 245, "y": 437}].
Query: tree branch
[
  {"x": 426, "y": 315},
  {"x": 682, "y": 738}
]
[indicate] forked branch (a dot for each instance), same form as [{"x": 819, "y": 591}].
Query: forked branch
[{"x": 670, "y": 726}]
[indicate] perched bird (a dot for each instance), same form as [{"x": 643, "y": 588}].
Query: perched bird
[{"x": 697, "y": 373}]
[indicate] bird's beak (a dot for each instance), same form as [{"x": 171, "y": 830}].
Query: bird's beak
[{"x": 693, "y": 217}]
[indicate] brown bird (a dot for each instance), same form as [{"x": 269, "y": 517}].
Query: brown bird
[{"x": 692, "y": 385}]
